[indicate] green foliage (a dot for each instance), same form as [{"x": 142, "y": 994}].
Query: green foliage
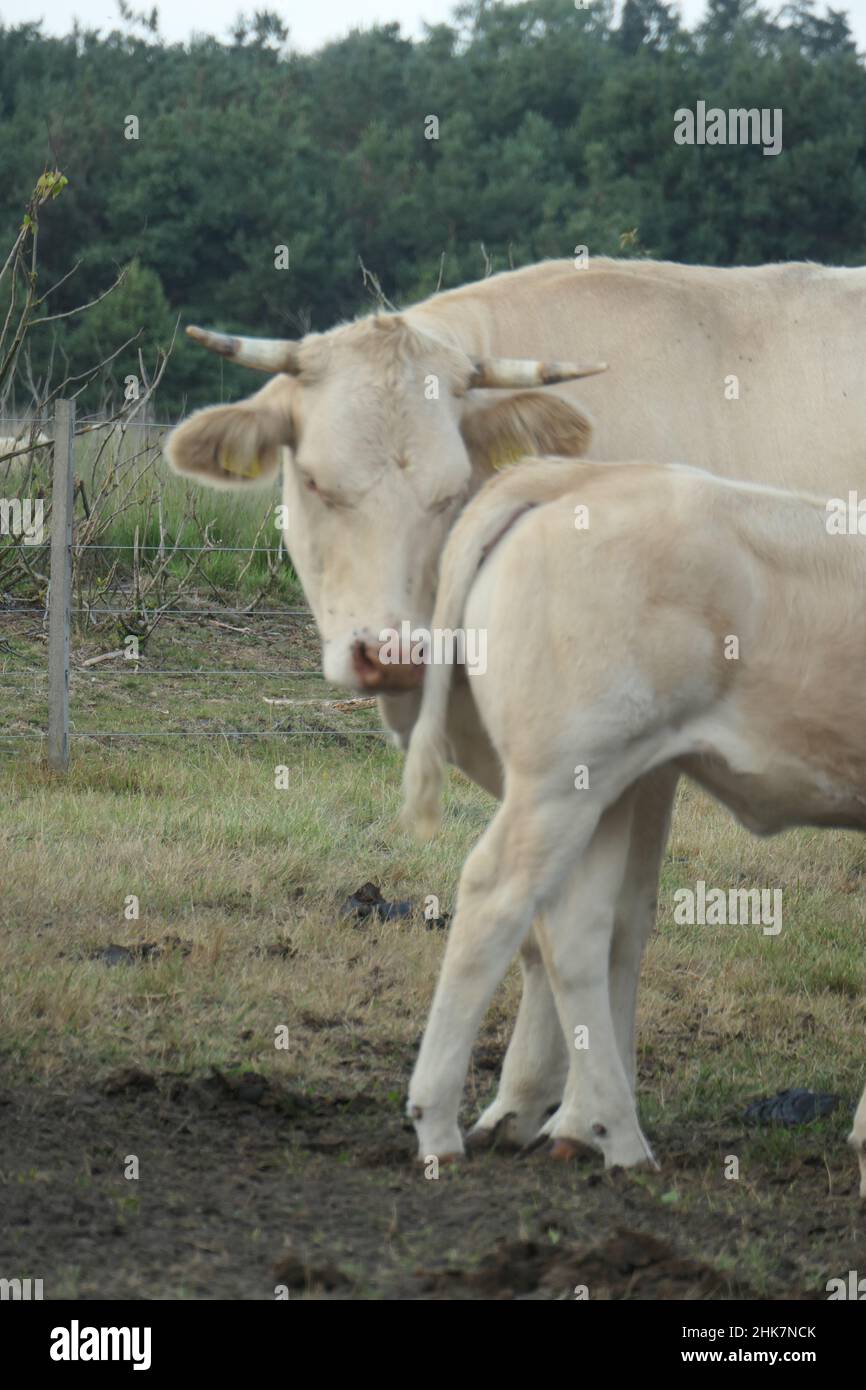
[
  {"x": 136, "y": 313},
  {"x": 555, "y": 130}
]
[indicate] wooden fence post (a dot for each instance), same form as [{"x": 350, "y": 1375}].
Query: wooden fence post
[{"x": 60, "y": 592}]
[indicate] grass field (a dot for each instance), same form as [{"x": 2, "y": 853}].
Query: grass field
[
  {"x": 262, "y": 1165},
  {"x": 128, "y": 496}
]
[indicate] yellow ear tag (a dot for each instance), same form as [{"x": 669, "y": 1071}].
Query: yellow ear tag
[
  {"x": 251, "y": 469},
  {"x": 505, "y": 460}
]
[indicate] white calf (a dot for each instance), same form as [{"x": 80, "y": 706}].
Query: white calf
[
  {"x": 20, "y": 443},
  {"x": 610, "y": 594}
]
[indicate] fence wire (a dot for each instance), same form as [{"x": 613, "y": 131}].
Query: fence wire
[
  {"x": 184, "y": 612},
  {"x": 309, "y": 731},
  {"x": 22, "y": 677},
  {"x": 167, "y": 671}
]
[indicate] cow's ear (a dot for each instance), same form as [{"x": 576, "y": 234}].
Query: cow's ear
[
  {"x": 530, "y": 422},
  {"x": 233, "y": 445}
]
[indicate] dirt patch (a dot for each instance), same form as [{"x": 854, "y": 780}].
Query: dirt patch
[
  {"x": 631, "y": 1264},
  {"x": 244, "y": 1187}
]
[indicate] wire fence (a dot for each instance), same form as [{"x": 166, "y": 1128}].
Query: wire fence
[
  {"x": 61, "y": 674},
  {"x": 96, "y": 418}
]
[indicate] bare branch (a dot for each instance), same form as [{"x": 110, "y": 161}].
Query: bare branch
[
  {"x": 374, "y": 288},
  {"x": 79, "y": 308}
]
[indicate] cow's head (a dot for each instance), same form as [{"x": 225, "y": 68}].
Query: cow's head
[{"x": 382, "y": 439}]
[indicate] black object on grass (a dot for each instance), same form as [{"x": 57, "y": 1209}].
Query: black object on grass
[
  {"x": 367, "y": 900},
  {"x": 792, "y": 1107}
]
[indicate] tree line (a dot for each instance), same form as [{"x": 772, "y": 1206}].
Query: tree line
[{"x": 243, "y": 184}]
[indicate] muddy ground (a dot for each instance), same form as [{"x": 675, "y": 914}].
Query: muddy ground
[{"x": 245, "y": 1186}]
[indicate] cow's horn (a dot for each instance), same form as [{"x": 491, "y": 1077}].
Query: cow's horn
[
  {"x": 512, "y": 372},
  {"x": 265, "y": 354}
]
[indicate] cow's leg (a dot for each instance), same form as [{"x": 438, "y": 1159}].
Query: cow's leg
[
  {"x": 519, "y": 862},
  {"x": 857, "y": 1140},
  {"x": 536, "y": 1061},
  {"x": 535, "y": 1065},
  {"x": 637, "y": 903},
  {"x": 598, "y": 1107}
]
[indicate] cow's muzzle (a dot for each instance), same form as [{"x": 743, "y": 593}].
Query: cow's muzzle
[{"x": 375, "y": 673}]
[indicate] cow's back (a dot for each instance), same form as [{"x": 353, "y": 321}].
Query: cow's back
[{"x": 752, "y": 372}]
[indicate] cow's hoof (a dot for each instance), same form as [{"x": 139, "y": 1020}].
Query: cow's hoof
[
  {"x": 542, "y": 1142},
  {"x": 481, "y": 1138},
  {"x": 564, "y": 1150},
  {"x": 443, "y": 1160}
]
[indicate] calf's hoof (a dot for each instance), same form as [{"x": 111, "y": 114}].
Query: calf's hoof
[
  {"x": 442, "y": 1160},
  {"x": 480, "y": 1140},
  {"x": 623, "y": 1149},
  {"x": 565, "y": 1150},
  {"x": 482, "y": 1137}
]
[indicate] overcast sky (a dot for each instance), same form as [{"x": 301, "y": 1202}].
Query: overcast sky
[{"x": 311, "y": 22}]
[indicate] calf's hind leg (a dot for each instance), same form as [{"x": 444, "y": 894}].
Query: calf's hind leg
[
  {"x": 598, "y": 1107},
  {"x": 518, "y": 864},
  {"x": 536, "y": 1062},
  {"x": 636, "y": 905}
]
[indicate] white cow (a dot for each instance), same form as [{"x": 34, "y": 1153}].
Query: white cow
[
  {"x": 21, "y": 443},
  {"x": 385, "y": 426},
  {"x": 607, "y": 649}
]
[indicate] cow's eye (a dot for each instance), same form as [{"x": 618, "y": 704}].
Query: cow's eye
[
  {"x": 445, "y": 503},
  {"x": 326, "y": 498}
]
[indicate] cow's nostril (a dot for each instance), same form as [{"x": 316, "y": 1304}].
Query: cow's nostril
[
  {"x": 374, "y": 671},
  {"x": 367, "y": 668}
]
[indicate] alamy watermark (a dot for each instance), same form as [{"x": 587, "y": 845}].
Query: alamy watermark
[
  {"x": 20, "y": 1290},
  {"x": 736, "y": 126},
  {"x": 720, "y": 907},
  {"x": 846, "y": 517},
  {"x": 419, "y": 646},
  {"x": 23, "y": 517},
  {"x": 853, "y": 1287},
  {"x": 77, "y": 1343}
]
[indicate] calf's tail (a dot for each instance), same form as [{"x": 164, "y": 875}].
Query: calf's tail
[{"x": 499, "y": 504}]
